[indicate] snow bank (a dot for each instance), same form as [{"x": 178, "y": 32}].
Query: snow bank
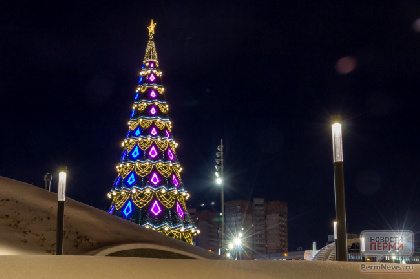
[
  {"x": 97, "y": 267},
  {"x": 28, "y": 226}
]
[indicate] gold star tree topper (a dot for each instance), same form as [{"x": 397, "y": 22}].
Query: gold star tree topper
[{"x": 151, "y": 29}]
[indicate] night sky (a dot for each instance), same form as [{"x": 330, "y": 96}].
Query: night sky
[{"x": 265, "y": 76}]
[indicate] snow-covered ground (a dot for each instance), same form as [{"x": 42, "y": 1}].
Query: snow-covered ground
[
  {"x": 97, "y": 267},
  {"x": 27, "y": 236},
  {"x": 28, "y": 226}
]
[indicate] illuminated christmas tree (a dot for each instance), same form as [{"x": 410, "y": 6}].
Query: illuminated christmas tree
[{"x": 148, "y": 189}]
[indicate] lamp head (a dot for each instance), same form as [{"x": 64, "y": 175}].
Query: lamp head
[{"x": 62, "y": 177}]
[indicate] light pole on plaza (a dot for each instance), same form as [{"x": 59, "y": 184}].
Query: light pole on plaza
[
  {"x": 62, "y": 177},
  {"x": 340, "y": 205},
  {"x": 220, "y": 181}
]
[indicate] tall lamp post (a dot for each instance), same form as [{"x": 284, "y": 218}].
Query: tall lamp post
[
  {"x": 62, "y": 176},
  {"x": 219, "y": 180},
  {"x": 340, "y": 206}
]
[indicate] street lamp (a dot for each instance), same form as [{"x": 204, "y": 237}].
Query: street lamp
[
  {"x": 219, "y": 180},
  {"x": 238, "y": 246},
  {"x": 62, "y": 176},
  {"x": 340, "y": 206}
]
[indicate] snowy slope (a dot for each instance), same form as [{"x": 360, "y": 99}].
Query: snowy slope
[{"x": 28, "y": 225}]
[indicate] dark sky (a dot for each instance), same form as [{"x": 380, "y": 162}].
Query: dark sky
[{"x": 262, "y": 75}]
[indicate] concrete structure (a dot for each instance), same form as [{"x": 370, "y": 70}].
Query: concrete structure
[{"x": 328, "y": 253}]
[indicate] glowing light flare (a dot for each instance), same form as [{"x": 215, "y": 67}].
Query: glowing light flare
[
  {"x": 133, "y": 112},
  {"x": 153, "y": 94},
  {"x": 131, "y": 179},
  {"x": 124, "y": 155},
  {"x": 179, "y": 210},
  {"x": 62, "y": 177},
  {"x": 335, "y": 229},
  {"x": 154, "y": 131},
  {"x": 156, "y": 208},
  {"x": 152, "y": 77},
  {"x": 175, "y": 180},
  {"x": 337, "y": 142},
  {"x": 345, "y": 65},
  {"x": 137, "y": 132},
  {"x": 136, "y": 97},
  {"x": 152, "y": 65},
  {"x": 153, "y": 111},
  {"x": 167, "y": 133},
  {"x": 141, "y": 78},
  {"x": 170, "y": 154},
  {"x": 154, "y": 179},
  {"x": 153, "y": 152},
  {"x": 128, "y": 209},
  {"x": 111, "y": 210}
]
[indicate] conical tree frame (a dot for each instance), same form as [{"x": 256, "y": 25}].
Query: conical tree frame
[{"x": 148, "y": 189}]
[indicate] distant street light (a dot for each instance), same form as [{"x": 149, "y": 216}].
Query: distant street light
[
  {"x": 340, "y": 206},
  {"x": 219, "y": 180},
  {"x": 62, "y": 176}
]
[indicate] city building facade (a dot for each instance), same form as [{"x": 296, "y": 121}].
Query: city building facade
[
  {"x": 208, "y": 223},
  {"x": 252, "y": 229},
  {"x": 261, "y": 226}
]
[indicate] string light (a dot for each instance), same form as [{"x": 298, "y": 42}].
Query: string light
[
  {"x": 175, "y": 180},
  {"x": 155, "y": 208},
  {"x": 179, "y": 210},
  {"x": 153, "y": 153},
  {"x": 128, "y": 209},
  {"x": 155, "y": 179},
  {"x": 154, "y": 131},
  {"x": 153, "y": 111},
  {"x": 135, "y": 153},
  {"x": 131, "y": 179},
  {"x": 170, "y": 154}
]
